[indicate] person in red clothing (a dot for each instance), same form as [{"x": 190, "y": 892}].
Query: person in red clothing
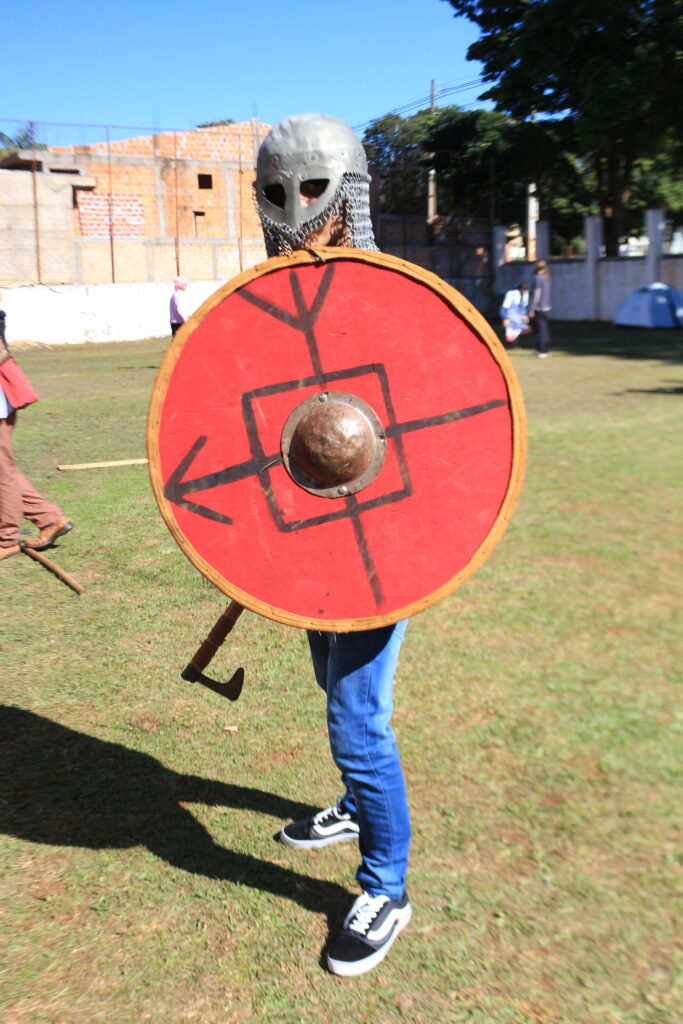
[{"x": 19, "y": 499}]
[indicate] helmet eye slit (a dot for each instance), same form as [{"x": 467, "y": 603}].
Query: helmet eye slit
[
  {"x": 275, "y": 194},
  {"x": 312, "y": 189}
]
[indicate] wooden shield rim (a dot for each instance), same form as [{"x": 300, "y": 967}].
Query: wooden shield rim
[{"x": 477, "y": 324}]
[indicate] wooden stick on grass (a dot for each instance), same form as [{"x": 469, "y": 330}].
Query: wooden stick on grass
[
  {"x": 104, "y": 465},
  {"x": 64, "y": 576}
]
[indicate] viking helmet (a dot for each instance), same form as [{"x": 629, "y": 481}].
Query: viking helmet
[{"x": 311, "y": 167}]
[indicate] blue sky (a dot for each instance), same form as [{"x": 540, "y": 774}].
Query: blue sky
[{"x": 172, "y": 65}]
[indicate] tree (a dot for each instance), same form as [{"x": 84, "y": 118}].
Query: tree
[
  {"x": 484, "y": 162},
  {"x": 658, "y": 182},
  {"x": 22, "y": 139},
  {"x": 614, "y": 72},
  {"x": 399, "y": 162},
  {"x": 470, "y": 155}
]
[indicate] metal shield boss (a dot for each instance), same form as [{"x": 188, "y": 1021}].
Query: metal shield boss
[{"x": 336, "y": 439}]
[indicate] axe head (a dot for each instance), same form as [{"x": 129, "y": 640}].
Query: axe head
[{"x": 232, "y": 689}]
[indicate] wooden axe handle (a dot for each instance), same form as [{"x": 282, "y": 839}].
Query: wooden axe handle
[{"x": 217, "y": 636}]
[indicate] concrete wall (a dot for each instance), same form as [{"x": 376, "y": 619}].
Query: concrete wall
[
  {"x": 583, "y": 289},
  {"x": 448, "y": 246},
  {"x": 73, "y": 314},
  {"x": 136, "y": 306},
  {"x": 48, "y": 199},
  {"x": 456, "y": 249},
  {"x": 138, "y": 210}
]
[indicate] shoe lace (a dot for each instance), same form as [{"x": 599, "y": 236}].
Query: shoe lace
[
  {"x": 365, "y": 913},
  {"x": 329, "y": 812}
]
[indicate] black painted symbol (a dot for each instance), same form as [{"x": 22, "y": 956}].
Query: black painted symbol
[{"x": 178, "y": 486}]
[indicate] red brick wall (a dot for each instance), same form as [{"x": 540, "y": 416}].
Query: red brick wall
[
  {"x": 126, "y": 216},
  {"x": 222, "y": 142},
  {"x": 179, "y": 157}
]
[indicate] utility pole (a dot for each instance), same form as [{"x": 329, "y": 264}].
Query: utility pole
[
  {"x": 36, "y": 219},
  {"x": 532, "y": 214},
  {"x": 431, "y": 176},
  {"x": 531, "y": 222}
]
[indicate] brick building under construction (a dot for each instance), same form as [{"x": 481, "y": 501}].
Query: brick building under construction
[
  {"x": 92, "y": 235},
  {"x": 135, "y": 210}
]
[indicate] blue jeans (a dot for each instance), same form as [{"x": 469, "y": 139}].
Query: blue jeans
[{"x": 356, "y": 671}]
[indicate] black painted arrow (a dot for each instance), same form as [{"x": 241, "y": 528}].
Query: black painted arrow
[
  {"x": 176, "y": 488},
  {"x": 398, "y": 429}
]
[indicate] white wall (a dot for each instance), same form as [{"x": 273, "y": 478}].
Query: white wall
[
  {"x": 617, "y": 278},
  {"x": 73, "y": 314},
  {"x": 593, "y": 287},
  {"x": 583, "y": 289}
]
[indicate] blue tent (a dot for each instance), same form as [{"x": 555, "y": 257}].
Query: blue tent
[{"x": 655, "y": 305}]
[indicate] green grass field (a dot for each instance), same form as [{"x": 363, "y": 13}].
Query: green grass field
[{"x": 538, "y": 712}]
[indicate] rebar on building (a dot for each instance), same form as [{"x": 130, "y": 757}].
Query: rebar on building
[
  {"x": 111, "y": 212},
  {"x": 36, "y": 218}
]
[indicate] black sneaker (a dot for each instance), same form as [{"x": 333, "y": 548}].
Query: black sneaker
[
  {"x": 370, "y": 927},
  {"x": 325, "y": 827}
]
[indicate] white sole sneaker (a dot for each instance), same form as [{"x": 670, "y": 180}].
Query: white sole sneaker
[
  {"x": 325, "y": 827},
  {"x": 359, "y": 954},
  {"x": 311, "y": 844}
]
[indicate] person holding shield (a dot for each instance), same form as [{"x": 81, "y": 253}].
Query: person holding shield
[
  {"x": 378, "y": 421},
  {"x": 312, "y": 189}
]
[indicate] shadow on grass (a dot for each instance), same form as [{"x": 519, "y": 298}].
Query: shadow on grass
[
  {"x": 65, "y": 788},
  {"x": 604, "y": 339},
  {"x": 673, "y": 390}
]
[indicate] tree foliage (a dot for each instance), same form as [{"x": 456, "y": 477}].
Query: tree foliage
[
  {"x": 216, "y": 124},
  {"x": 22, "y": 139},
  {"x": 484, "y": 161},
  {"x": 487, "y": 160},
  {"x": 613, "y": 72},
  {"x": 399, "y": 162}
]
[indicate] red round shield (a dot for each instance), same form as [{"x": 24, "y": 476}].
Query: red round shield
[{"x": 430, "y": 412}]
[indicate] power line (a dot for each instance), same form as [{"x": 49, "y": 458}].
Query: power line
[{"x": 423, "y": 101}]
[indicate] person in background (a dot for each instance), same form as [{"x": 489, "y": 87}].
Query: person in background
[
  {"x": 179, "y": 310},
  {"x": 514, "y": 313},
  {"x": 18, "y": 497},
  {"x": 540, "y": 308}
]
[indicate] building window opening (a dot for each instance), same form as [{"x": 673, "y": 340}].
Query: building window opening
[
  {"x": 205, "y": 180},
  {"x": 197, "y": 217}
]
